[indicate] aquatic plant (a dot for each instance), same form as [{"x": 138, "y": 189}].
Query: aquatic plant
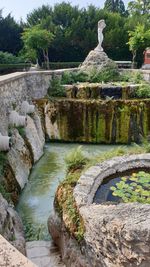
[
  {"x": 76, "y": 159},
  {"x": 136, "y": 188}
]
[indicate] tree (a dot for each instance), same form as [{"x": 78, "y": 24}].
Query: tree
[
  {"x": 137, "y": 39},
  {"x": 9, "y": 34},
  {"x": 115, "y": 6},
  {"x": 139, "y": 7},
  {"x": 37, "y": 15},
  {"x": 36, "y": 39}
]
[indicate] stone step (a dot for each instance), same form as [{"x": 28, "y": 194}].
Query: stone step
[{"x": 44, "y": 254}]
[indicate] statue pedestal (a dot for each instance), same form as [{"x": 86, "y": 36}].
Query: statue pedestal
[{"x": 96, "y": 59}]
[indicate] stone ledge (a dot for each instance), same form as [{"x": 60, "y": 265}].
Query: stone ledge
[
  {"x": 94, "y": 176},
  {"x": 10, "y": 256}
]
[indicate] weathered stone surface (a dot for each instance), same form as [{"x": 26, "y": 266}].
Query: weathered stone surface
[
  {"x": 96, "y": 59},
  {"x": 35, "y": 136},
  {"x": 43, "y": 254},
  {"x": 11, "y": 257},
  {"x": 51, "y": 126},
  {"x": 11, "y": 226},
  {"x": 19, "y": 159},
  {"x": 70, "y": 250},
  {"x": 117, "y": 235}
]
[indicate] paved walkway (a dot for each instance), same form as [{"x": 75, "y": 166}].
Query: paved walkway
[{"x": 44, "y": 254}]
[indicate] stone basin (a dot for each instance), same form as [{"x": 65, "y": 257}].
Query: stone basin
[{"x": 114, "y": 235}]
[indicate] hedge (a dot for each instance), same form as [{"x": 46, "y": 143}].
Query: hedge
[
  {"x": 61, "y": 65},
  {"x": 7, "y": 68}
]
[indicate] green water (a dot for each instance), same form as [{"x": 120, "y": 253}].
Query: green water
[{"x": 36, "y": 200}]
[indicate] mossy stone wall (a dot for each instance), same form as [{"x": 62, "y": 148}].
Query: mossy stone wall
[{"x": 95, "y": 121}]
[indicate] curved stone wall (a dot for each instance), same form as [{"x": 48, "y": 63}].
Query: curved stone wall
[
  {"x": 90, "y": 181},
  {"x": 116, "y": 235}
]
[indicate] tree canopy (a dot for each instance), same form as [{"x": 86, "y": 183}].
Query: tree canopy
[{"x": 70, "y": 32}]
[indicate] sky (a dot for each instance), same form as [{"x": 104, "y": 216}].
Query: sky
[{"x": 20, "y": 8}]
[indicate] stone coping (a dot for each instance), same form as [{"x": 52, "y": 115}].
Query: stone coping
[
  {"x": 90, "y": 181},
  {"x": 16, "y": 75},
  {"x": 11, "y": 257}
]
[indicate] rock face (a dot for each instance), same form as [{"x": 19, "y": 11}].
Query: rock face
[
  {"x": 24, "y": 152},
  {"x": 11, "y": 226},
  {"x": 71, "y": 252},
  {"x": 97, "y": 60},
  {"x": 35, "y": 136},
  {"x": 95, "y": 121},
  {"x": 19, "y": 159},
  {"x": 117, "y": 235}
]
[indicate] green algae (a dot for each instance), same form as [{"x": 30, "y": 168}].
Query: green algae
[{"x": 97, "y": 121}]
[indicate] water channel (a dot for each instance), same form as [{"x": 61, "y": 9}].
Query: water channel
[{"x": 36, "y": 200}]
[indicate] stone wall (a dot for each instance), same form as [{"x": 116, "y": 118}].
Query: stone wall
[
  {"x": 95, "y": 121},
  {"x": 20, "y": 86}
]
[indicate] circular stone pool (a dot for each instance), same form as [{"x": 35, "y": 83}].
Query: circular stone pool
[{"x": 104, "y": 194}]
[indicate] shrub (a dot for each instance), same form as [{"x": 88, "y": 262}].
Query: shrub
[
  {"x": 56, "y": 89},
  {"x": 134, "y": 77},
  {"x": 8, "y": 58},
  {"x": 143, "y": 91},
  {"x": 106, "y": 74},
  {"x": 75, "y": 159},
  {"x": 136, "y": 188},
  {"x": 74, "y": 77},
  {"x": 61, "y": 65}
]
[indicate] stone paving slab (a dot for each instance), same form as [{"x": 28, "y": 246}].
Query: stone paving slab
[{"x": 44, "y": 254}]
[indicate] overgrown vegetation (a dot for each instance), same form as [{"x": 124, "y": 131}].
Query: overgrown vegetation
[
  {"x": 77, "y": 163},
  {"x": 136, "y": 188},
  {"x": 33, "y": 231},
  {"x": 76, "y": 159},
  {"x": 21, "y": 131},
  {"x": 56, "y": 89},
  {"x": 107, "y": 74},
  {"x": 74, "y": 77},
  {"x": 3, "y": 162},
  {"x": 132, "y": 76}
]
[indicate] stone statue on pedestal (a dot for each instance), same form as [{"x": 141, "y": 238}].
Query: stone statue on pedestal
[
  {"x": 101, "y": 26},
  {"x": 97, "y": 58}
]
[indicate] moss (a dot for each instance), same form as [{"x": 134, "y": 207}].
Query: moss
[
  {"x": 97, "y": 121},
  {"x": 66, "y": 206}
]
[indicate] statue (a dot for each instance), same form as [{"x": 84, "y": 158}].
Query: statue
[
  {"x": 101, "y": 26},
  {"x": 97, "y": 58}
]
